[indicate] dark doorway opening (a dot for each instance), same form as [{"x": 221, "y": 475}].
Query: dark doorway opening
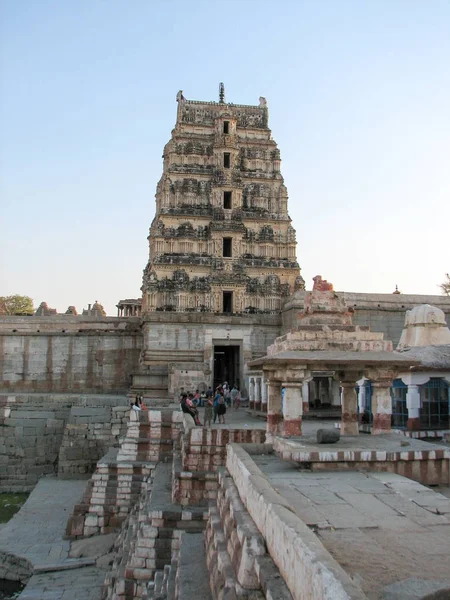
[
  {"x": 227, "y": 200},
  {"x": 226, "y": 365},
  {"x": 227, "y": 302},
  {"x": 227, "y": 247}
]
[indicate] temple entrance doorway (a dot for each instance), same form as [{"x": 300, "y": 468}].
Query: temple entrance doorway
[{"x": 226, "y": 365}]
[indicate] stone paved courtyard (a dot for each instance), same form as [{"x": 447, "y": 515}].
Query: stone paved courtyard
[{"x": 382, "y": 528}]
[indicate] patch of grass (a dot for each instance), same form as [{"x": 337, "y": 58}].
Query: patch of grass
[{"x": 10, "y": 504}]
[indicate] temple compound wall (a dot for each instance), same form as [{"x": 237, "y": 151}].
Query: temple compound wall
[{"x": 68, "y": 354}]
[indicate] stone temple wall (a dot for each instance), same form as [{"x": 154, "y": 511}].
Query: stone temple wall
[
  {"x": 68, "y": 354},
  {"x": 63, "y": 434}
]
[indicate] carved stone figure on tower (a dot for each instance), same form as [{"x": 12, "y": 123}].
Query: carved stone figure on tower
[{"x": 321, "y": 285}]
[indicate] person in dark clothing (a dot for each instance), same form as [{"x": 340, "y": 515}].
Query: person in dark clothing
[{"x": 188, "y": 408}]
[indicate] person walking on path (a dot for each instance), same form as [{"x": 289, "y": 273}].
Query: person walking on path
[
  {"x": 216, "y": 404},
  {"x": 233, "y": 394},
  {"x": 222, "y": 409},
  {"x": 209, "y": 412},
  {"x": 237, "y": 402}
]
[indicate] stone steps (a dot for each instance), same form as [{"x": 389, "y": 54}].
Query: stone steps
[
  {"x": 236, "y": 555},
  {"x": 192, "y": 579},
  {"x": 150, "y": 541}
]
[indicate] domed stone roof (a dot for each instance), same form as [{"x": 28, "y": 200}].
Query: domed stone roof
[
  {"x": 425, "y": 314},
  {"x": 425, "y": 325}
]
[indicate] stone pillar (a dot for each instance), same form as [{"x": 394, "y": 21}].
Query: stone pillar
[
  {"x": 381, "y": 406},
  {"x": 293, "y": 409},
  {"x": 413, "y": 405},
  {"x": 316, "y": 384},
  {"x": 263, "y": 395},
  {"x": 362, "y": 390},
  {"x": 305, "y": 397},
  {"x": 274, "y": 416},
  {"x": 251, "y": 392},
  {"x": 349, "y": 418},
  {"x": 336, "y": 393},
  {"x": 258, "y": 393}
]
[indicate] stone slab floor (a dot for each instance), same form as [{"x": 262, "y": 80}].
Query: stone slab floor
[
  {"x": 36, "y": 533},
  {"x": 391, "y": 534}
]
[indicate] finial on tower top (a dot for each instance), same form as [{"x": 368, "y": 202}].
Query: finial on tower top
[{"x": 221, "y": 93}]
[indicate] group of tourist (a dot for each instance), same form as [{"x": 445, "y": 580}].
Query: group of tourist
[{"x": 215, "y": 403}]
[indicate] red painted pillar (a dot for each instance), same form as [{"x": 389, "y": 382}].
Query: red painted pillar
[{"x": 293, "y": 409}]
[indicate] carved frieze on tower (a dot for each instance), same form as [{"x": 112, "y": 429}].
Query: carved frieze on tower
[{"x": 222, "y": 239}]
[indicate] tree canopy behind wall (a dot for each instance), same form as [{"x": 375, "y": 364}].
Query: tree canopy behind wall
[{"x": 16, "y": 305}]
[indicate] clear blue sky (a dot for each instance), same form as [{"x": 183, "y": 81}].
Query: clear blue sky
[{"x": 359, "y": 101}]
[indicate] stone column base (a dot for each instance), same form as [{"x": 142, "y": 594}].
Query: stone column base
[
  {"x": 264, "y": 407},
  {"x": 381, "y": 423},
  {"x": 349, "y": 424},
  {"x": 413, "y": 424},
  {"x": 305, "y": 408},
  {"x": 292, "y": 427},
  {"x": 273, "y": 423},
  {"x": 257, "y": 405},
  {"x": 251, "y": 404}
]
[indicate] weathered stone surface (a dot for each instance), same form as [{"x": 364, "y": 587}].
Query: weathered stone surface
[
  {"x": 328, "y": 436},
  {"x": 92, "y": 547}
]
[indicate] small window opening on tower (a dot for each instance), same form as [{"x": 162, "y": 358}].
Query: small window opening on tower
[
  {"x": 227, "y": 247},
  {"x": 227, "y": 199},
  {"x": 227, "y": 302},
  {"x": 226, "y": 126},
  {"x": 226, "y": 160}
]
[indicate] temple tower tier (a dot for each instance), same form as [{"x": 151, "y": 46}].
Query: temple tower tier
[{"x": 221, "y": 240}]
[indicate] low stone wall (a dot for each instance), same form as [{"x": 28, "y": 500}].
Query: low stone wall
[
  {"x": 43, "y": 434},
  {"x": 305, "y": 565},
  {"x": 192, "y": 487},
  {"x": 236, "y": 553},
  {"x": 206, "y": 449},
  {"x": 197, "y": 458}
]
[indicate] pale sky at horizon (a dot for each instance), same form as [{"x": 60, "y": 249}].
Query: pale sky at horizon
[{"x": 359, "y": 104}]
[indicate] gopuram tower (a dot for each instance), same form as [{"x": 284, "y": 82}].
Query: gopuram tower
[{"x": 222, "y": 248}]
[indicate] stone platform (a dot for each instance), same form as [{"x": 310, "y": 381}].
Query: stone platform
[
  {"x": 383, "y": 529},
  {"x": 427, "y": 463}
]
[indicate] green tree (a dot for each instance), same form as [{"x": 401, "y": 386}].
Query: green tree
[
  {"x": 445, "y": 287},
  {"x": 16, "y": 305}
]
